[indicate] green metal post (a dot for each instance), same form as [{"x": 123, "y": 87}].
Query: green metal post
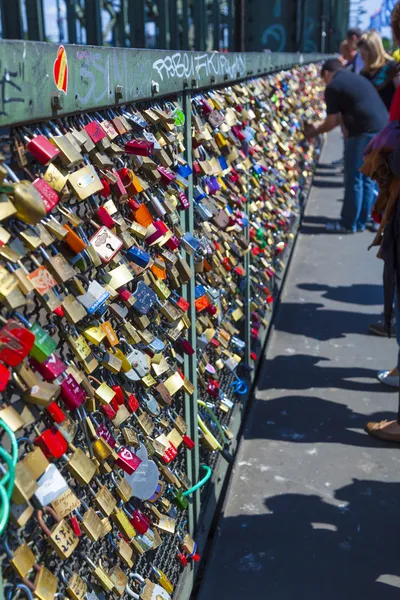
[
  {"x": 199, "y": 18},
  {"x": 71, "y": 21},
  {"x": 11, "y": 20},
  {"x": 216, "y": 24},
  {"x": 35, "y": 20},
  {"x": 137, "y": 20},
  {"x": 120, "y": 26},
  {"x": 185, "y": 24},
  {"x": 163, "y": 25},
  {"x": 173, "y": 25},
  {"x": 94, "y": 34},
  {"x": 191, "y": 401},
  {"x": 231, "y": 25}
]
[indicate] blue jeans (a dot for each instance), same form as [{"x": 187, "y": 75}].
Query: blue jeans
[{"x": 359, "y": 195}]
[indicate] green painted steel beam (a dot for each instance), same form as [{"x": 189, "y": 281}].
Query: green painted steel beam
[
  {"x": 35, "y": 20},
  {"x": 137, "y": 22},
  {"x": 11, "y": 19},
  {"x": 71, "y": 21},
  {"x": 94, "y": 33},
  {"x": 96, "y": 76}
]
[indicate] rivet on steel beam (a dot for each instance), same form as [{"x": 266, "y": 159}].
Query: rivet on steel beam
[
  {"x": 57, "y": 101},
  {"x": 155, "y": 87},
  {"x": 119, "y": 92}
]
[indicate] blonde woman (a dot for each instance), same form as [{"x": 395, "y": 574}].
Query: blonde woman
[{"x": 379, "y": 67}]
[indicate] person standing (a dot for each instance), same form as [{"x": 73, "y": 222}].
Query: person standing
[
  {"x": 348, "y": 53},
  {"x": 353, "y": 35},
  {"x": 379, "y": 67},
  {"x": 353, "y": 101}
]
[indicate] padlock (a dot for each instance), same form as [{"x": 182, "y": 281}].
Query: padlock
[
  {"x": 71, "y": 393},
  {"x": 76, "y": 587},
  {"x": 27, "y": 200},
  {"x": 22, "y": 560},
  {"x": 52, "y": 443},
  {"x": 61, "y": 537},
  {"x": 81, "y": 467},
  {"x": 100, "y": 575},
  {"x": 45, "y": 585}
]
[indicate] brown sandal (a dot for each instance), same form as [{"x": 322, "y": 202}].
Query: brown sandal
[{"x": 379, "y": 430}]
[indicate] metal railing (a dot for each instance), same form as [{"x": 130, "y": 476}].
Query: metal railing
[{"x": 32, "y": 89}]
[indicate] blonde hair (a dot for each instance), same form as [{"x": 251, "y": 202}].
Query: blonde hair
[{"x": 377, "y": 56}]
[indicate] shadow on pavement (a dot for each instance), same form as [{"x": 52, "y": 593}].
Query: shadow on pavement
[
  {"x": 307, "y": 547},
  {"x": 315, "y": 321},
  {"x": 303, "y": 372},
  {"x": 311, "y": 420},
  {"x": 358, "y": 293}
]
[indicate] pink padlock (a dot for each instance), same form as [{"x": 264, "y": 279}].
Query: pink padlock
[
  {"x": 127, "y": 460},
  {"x": 72, "y": 394},
  {"x": 50, "y": 369},
  {"x": 49, "y": 196}
]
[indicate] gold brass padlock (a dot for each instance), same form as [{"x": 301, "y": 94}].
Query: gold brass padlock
[
  {"x": 61, "y": 537},
  {"x": 46, "y": 585},
  {"x": 81, "y": 467},
  {"x": 122, "y": 522},
  {"x": 22, "y": 560},
  {"x": 100, "y": 575},
  {"x": 76, "y": 588}
]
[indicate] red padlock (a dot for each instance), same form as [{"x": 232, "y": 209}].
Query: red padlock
[
  {"x": 189, "y": 443},
  {"x": 52, "y": 443},
  {"x": 127, "y": 460},
  {"x": 173, "y": 243},
  {"x": 71, "y": 393},
  {"x": 104, "y": 217},
  {"x": 132, "y": 403},
  {"x": 213, "y": 388},
  {"x": 50, "y": 369},
  {"x": 106, "y": 191},
  {"x": 183, "y": 304},
  {"x": 75, "y": 526},
  {"x": 108, "y": 411},
  {"x": 4, "y": 377},
  {"x": 186, "y": 347},
  {"x": 170, "y": 454},
  {"x": 106, "y": 435},
  {"x": 16, "y": 342},
  {"x": 95, "y": 132},
  {"x": 119, "y": 394},
  {"x": 139, "y": 147},
  {"x": 140, "y": 521},
  {"x": 49, "y": 196},
  {"x": 182, "y": 559},
  {"x": 183, "y": 201},
  {"x": 42, "y": 149}
]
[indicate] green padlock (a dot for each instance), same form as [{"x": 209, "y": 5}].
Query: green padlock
[
  {"x": 180, "y": 501},
  {"x": 44, "y": 344}
]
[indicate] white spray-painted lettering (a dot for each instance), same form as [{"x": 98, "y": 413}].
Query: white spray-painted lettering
[{"x": 183, "y": 65}]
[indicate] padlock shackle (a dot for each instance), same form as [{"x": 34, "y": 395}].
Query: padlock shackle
[
  {"x": 40, "y": 514},
  {"x": 19, "y": 586}
]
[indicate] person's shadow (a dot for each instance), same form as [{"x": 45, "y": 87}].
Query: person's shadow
[
  {"x": 365, "y": 294},
  {"x": 311, "y": 547},
  {"x": 307, "y": 371},
  {"x": 312, "y": 420},
  {"x": 315, "y": 321}
]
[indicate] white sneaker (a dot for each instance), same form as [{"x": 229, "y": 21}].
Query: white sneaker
[{"x": 387, "y": 379}]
